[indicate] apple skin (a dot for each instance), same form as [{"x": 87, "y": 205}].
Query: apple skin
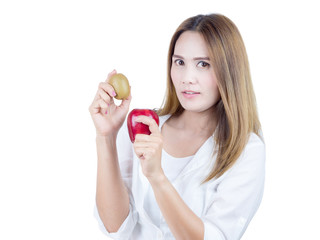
[{"x": 134, "y": 127}]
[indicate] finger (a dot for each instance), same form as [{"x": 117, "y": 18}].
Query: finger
[
  {"x": 102, "y": 85},
  {"x": 144, "y": 138},
  {"x": 108, "y": 89},
  {"x": 144, "y": 153},
  {"x": 153, "y": 126},
  {"x": 111, "y": 74},
  {"x": 97, "y": 96},
  {"x": 146, "y": 145},
  {"x": 104, "y": 96},
  {"x": 139, "y": 152},
  {"x": 125, "y": 103},
  {"x": 97, "y": 106}
]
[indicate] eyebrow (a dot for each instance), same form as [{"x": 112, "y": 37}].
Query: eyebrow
[{"x": 196, "y": 58}]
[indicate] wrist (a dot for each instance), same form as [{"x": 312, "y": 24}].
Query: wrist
[
  {"x": 106, "y": 136},
  {"x": 158, "y": 180},
  {"x": 109, "y": 139}
]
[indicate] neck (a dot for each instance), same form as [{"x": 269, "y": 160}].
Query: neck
[{"x": 197, "y": 123}]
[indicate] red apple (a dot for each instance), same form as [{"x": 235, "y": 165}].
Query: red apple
[{"x": 134, "y": 127}]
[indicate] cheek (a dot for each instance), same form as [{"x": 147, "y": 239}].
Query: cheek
[
  {"x": 175, "y": 77},
  {"x": 212, "y": 87},
  {"x": 215, "y": 90},
  {"x": 216, "y": 94}
]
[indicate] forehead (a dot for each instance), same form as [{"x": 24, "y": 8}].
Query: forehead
[{"x": 191, "y": 44}]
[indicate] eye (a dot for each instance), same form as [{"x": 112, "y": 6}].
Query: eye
[
  {"x": 179, "y": 62},
  {"x": 203, "y": 64}
]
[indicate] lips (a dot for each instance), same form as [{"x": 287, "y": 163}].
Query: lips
[{"x": 190, "y": 92}]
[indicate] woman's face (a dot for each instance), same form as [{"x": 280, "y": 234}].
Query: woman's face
[{"x": 192, "y": 73}]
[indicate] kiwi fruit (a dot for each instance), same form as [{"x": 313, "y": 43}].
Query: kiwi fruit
[{"x": 121, "y": 86}]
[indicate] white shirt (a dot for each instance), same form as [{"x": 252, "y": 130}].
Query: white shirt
[
  {"x": 173, "y": 166},
  {"x": 226, "y": 205}
]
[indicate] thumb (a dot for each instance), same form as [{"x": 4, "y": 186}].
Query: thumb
[{"x": 126, "y": 102}]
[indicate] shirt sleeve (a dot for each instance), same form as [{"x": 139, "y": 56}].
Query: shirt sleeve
[
  {"x": 238, "y": 195},
  {"x": 125, "y": 158},
  {"x": 126, "y": 228}
]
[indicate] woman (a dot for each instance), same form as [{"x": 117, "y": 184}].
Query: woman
[{"x": 200, "y": 174}]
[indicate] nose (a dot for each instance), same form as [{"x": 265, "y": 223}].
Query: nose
[
  {"x": 189, "y": 76},
  {"x": 190, "y": 81}
]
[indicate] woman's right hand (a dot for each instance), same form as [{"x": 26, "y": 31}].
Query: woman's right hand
[{"x": 106, "y": 115}]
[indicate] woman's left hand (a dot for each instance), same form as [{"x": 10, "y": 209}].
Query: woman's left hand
[{"x": 149, "y": 149}]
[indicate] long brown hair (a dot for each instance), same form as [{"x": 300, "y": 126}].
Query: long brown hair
[{"x": 236, "y": 110}]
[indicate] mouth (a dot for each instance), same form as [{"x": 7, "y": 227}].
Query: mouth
[{"x": 190, "y": 94}]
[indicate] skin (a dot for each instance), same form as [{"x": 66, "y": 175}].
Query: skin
[
  {"x": 108, "y": 118},
  {"x": 191, "y": 70}
]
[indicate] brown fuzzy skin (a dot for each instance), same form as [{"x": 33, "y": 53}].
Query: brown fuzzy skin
[{"x": 121, "y": 86}]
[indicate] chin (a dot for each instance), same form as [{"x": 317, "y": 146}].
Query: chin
[{"x": 195, "y": 108}]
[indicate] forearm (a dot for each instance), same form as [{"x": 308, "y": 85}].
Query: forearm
[
  {"x": 111, "y": 195},
  {"x": 182, "y": 221}
]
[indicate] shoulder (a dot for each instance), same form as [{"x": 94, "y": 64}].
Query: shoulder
[
  {"x": 254, "y": 154},
  {"x": 249, "y": 169},
  {"x": 252, "y": 159},
  {"x": 255, "y": 144}
]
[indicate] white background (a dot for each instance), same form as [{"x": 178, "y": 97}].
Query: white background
[{"x": 53, "y": 54}]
